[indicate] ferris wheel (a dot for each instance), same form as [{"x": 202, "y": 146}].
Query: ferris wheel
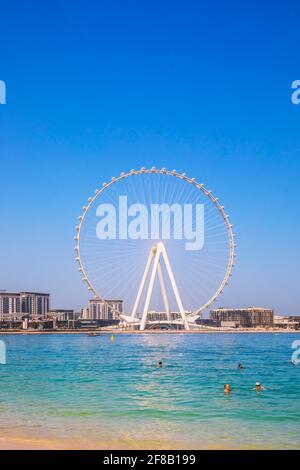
[{"x": 158, "y": 241}]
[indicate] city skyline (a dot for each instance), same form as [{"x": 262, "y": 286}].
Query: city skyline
[
  {"x": 142, "y": 97},
  {"x": 15, "y": 306}
]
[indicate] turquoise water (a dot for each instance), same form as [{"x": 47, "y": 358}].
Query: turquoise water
[{"x": 97, "y": 392}]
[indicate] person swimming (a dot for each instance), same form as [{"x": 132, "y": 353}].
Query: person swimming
[
  {"x": 227, "y": 389},
  {"x": 159, "y": 364},
  {"x": 240, "y": 366},
  {"x": 258, "y": 387}
]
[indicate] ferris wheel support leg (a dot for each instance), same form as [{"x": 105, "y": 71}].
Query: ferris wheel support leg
[
  {"x": 163, "y": 291},
  {"x": 142, "y": 285},
  {"x": 150, "y": 289},
  {"x": 162, "y": 249}
]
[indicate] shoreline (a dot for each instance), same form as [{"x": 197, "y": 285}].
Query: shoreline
[{"x": 147, "y": 332}]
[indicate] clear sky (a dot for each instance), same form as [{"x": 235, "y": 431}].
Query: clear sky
[{"x": 98, "y": 87}]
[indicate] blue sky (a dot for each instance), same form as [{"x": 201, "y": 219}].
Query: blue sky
[{"x": 95, "y": 88}]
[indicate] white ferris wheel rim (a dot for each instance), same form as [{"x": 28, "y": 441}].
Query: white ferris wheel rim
[{"x": 182, "y": 176}]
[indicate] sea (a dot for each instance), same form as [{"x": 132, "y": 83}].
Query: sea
[{"x": 107, "y": 391}]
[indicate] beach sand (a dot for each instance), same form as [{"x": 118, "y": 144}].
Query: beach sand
[
  {"x": 28, "y": 443},
  {"x": 48, "y": 442},
  {"x": 22, "y": 443}
]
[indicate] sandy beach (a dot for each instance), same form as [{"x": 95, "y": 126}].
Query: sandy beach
[{"x": 28, "y": 443}]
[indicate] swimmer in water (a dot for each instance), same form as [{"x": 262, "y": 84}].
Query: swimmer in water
[
  {"x": 240, "y": 366},
  {"x": 227, "y": 389},
  {"x": 159, "y": 364},
  {"x": 258, "y": 387}
]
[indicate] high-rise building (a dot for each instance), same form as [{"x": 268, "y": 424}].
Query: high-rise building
[
  {"x": 16, "y": 304},
  {"x": 10, "y": 304},
  {"x": 104, "y": 310},
  {"x": 84, "y": 314},
  {"x": 246, "y": 317}
]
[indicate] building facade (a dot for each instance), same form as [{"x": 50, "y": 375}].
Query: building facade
[
  {"x": 288, "y": 322},
  {"x": 251, "y": 317},
  {"x": 10, "y": 304},
  {"x": 63, "y": 315},
  {"x": 162, "y": 316},
  {"x": 104, "y": 310},
  {"x": 84, "y": 314},
  {"x": 14, "y": 305}
]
